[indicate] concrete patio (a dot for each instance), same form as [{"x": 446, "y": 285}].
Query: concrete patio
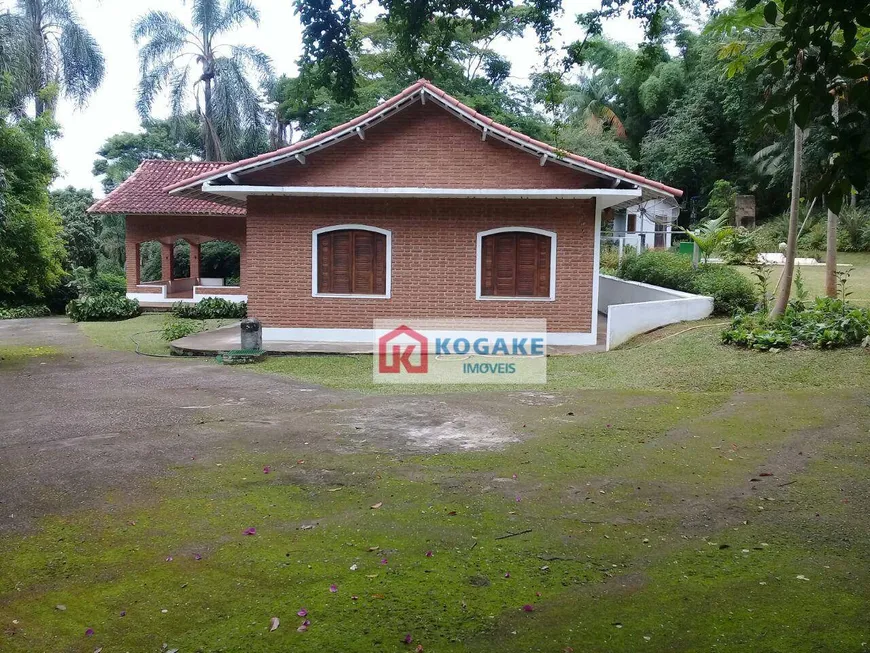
[{"x": 228, "y": 338}]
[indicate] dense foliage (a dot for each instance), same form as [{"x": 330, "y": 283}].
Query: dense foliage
[
  {"x": 31, "y": 245},
  {"x": 28, "y": 310},
  {"x": 94, "y": 308},
  {"x": 825, "y": 324},
  {"x": 211, "y": 308},
  {"x": 731, "y": 291}
]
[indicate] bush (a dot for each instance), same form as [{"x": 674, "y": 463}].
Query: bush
[
  {"x": 102, "y": 307},
  {"x": 731, "y": 291},
  {"x": 19, "y": 312},
  {"x": 826, "y": 324},
  {"x": 175, "y": 328},
  {"x": 739, "y": 247},
  {"x": 659, "y": 269},
  {"x": 609, "y": 259},
  {"x": 211, "y": 308}
]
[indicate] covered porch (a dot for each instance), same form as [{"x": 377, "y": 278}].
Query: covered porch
[{"x": 171, "y": 287}]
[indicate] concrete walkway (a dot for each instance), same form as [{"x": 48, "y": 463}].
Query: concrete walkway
[{"x": 211, "y": 343}]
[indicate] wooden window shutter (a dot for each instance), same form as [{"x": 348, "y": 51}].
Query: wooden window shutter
[
  {"x": 352, "y": 262},
  {"x": 515, "y": 264}
]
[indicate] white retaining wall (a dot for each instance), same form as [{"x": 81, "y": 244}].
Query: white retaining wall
[{"x": 633, "y": 308}]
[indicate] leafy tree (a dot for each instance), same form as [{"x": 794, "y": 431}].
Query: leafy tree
[
  {"x": 602, "y": 147},
  {"x": 426, "y": 31},
  {"x": 822, "y": 52},
  {"x": 46, "y": 51},
  {"x": 722, "y": 202},
  {"x": 31, "y": 247},
  {"x": 122, "y": 153},
  {"x": 473, "y": 73},
  {"x": 81, "y": 230},
  {"x": 233, "y": 120}
]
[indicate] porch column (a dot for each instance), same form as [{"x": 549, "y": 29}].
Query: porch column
[
  {"x": 166, "y": 260},
  {"x": 243, "y": 256},
  {"x": 195, "y": 257},
  {"x": 133, "y": 264}
]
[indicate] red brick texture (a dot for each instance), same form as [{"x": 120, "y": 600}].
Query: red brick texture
[
  {"x": 434, "y": 244},
  {"x": 423, "y": 146},
  {"x": 196, "y": 229}
]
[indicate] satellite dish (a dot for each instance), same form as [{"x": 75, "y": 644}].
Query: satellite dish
[{"x": 664, "y": 212}]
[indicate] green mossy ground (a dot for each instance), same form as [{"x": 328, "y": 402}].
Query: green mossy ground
[{"x": 647, "y": 533}]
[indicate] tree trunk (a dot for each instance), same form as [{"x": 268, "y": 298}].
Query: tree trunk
[
  {"x": 791, "y": 248},
  {"x": 208, "y": 125},
  {"x": 831, "y": 254}
]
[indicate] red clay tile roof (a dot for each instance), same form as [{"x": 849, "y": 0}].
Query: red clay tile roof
[
  {"x": 143, "y": 193},
  {"x": 433, "y": 91}
]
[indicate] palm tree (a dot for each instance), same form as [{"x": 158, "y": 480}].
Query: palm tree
[
  {"x": 47, "y": 53},
  {"x": 591, "y": 103},
  {"x": 225, "y": 99}
]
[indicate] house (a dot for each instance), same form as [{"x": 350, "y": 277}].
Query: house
[
  {"x": 421, "y": 207},
  {"x": 646, "y": 225}
]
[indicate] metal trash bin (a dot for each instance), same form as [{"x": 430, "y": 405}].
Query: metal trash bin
[{"x": 252, "y": 334}]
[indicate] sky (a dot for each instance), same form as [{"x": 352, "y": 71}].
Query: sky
[{"x": 112, "y": 110}]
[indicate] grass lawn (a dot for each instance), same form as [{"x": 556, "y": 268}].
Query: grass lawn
[
  {"x": 144, "y": 329},
  {"x": 680, "y": 358},
  {"x": 814, "y": 277},
  {"x": 673, "y": 496}
]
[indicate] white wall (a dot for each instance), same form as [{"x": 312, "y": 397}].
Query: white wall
[{"x": 633, "y": 308}]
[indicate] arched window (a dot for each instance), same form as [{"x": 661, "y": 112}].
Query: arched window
[
  {"x": 516, "y": 263},
  {"x": 351, "y": 260}
]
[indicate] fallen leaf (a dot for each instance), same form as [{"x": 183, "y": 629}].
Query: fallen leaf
[
  {"x": 377, "y": 596},
  {"x": 300, "y": 462},
  {"x": 333, "y": 588},
  {"x": 250, "y": 531},
  {"x": 383, "y": 561},
  {"x": 377, "y": 505},
  {"x": 528, "y": 608},
  {"x": 267, "y": 469},
  {"x": 371, "y": 575},
  {"x": 302, "y": 612},
  {"x": 274, "y": 622},
  {"x": 429, "y": 554},
  {"x": 302, "y": 628},
  {"x": 374, "y": 548},
  {"x": 89, "y": 632},
  {"x": 60, "y": 607},
  {"x": 408, "y": 639},
  {"x": 452, "y": 513},
  {"x": 197, "y": 556},
  {"x": 354, "y": 567},
  {"x": 419, "y": 648},
  {"x": 335, "y": 489}
]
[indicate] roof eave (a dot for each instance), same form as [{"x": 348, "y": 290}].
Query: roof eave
[{"x": 419, "y": 92}]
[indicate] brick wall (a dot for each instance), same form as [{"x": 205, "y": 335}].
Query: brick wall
[
  {"x": 433, "y": 259},
  {"x": 423, "y": 146}
]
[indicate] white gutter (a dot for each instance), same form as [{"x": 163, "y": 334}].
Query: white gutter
[{"x": 607, "y": 196}]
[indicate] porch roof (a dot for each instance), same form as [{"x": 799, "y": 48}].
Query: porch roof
[{"x": 144, "y": 192}]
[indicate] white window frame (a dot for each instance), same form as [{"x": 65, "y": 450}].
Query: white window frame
[
  {"x": 531, "y": 230},
  {"x": 315, "y": 252}
]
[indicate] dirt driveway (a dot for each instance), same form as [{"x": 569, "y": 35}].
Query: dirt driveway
[{"x": 88, "y": 420}]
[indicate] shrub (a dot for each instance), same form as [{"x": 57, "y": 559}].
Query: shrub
[
  {"x": 731, "y": 291},
  {"x": 609, "y": 260},
  {"x": 175, "y": 328},
  {"x": 86, "y": 282},
  {"x": 102, "y": 307},
  {"x": 826, "y": 324},
  {"x": 211, "y": 308},
  {"x": 659, "y": 269},
  {"x": 739, "y": 247},
  {"x": 19, "y": 312}
]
